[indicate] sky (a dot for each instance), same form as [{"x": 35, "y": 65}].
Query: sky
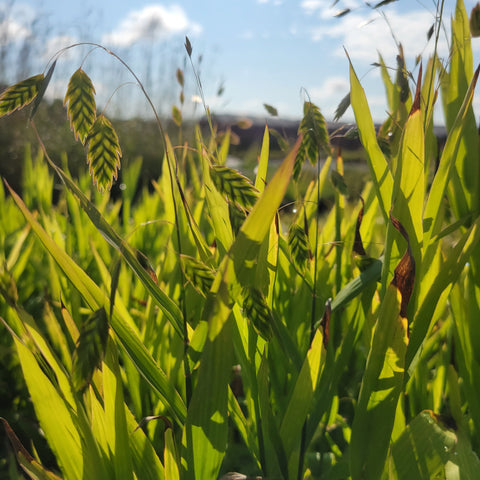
[{"x": 246, "y": 52}]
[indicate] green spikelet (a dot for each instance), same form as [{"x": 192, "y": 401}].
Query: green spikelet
[
  {"x": 90, "y": 348},
  {"x": 234, "y": 185},
  {"x": 257, "y": 311},
  {"x": 298, "y": 245},
  {"x": 21, "y": 94},
  {"x": 199, "y": 275},
  {"x": 315, "y": 137},
  {"x": 80, "y": 101},
  {"x": 103, "y": 156}
]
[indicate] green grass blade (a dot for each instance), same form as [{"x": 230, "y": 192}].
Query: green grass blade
[
  {"x": 25, "y": 460},
  {"x": 300, "y": 403},
  {"x": 58, "y": 421},
  {"x": 95, "y": 298},
  {"x": 115, "y": 420},
  {"x": 205, "y": 433},
  {"x": 381, "y": 174},
  {"x": 168, "y": 306},
  {"x": 432, "y": 217},
  {"x": 261, "y": 178}
]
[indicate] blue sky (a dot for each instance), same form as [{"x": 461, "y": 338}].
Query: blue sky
[{"x": 259, "y": 51}]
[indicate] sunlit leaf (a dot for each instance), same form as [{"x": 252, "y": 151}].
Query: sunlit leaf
[{"x": 103, "y": 155}]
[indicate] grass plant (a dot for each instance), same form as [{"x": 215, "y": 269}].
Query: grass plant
[{"x": 193, "y": 333}]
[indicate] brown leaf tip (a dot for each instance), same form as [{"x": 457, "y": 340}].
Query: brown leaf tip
[
  {"x": 404, "y": 274},
  {"x": 418, "y": 93}
]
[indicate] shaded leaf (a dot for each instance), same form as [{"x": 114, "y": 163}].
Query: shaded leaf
[
  {"x": 234, "y": 185},
  {"x": 339, "y": 182},
  {"x": 271, "y": 110},
  {"x": 42, "y": 89},
  {"x": 402, "y": 78},
  {"x": 103, "y": 156},
  {"x": 430, "y": 32},
  {"x": 282, "y": 142},
  {"x": 358, "y": 243},
  {"x": 80, "y": 101},
  {"x": 21, "y": 94},
  {"x": 475, "y": 21},
  {"x": 90, "y": 348},
  {"x": 326, "y": 322},
  {"x": 26, "y": 461}
]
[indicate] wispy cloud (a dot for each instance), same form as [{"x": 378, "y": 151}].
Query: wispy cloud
[
  {"x": 365, "y": 35},
  {"x": 154, "y": 22},
  {"x": 11, "y": 31},
  {"x": 276, "y": 3}
]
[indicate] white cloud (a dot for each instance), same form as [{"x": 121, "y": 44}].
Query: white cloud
[
  {"x": 365, "y": 35},
  {"x": 57, "y": 43},
  {"x": 12, "y": 31},
  {"x": 276, "y": 3},
  {"x": 151, "y": 23},
  {"x": 326, "y": 8}
]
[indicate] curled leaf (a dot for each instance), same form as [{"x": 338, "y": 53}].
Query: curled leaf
[{"x": 404, "y": 274}]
